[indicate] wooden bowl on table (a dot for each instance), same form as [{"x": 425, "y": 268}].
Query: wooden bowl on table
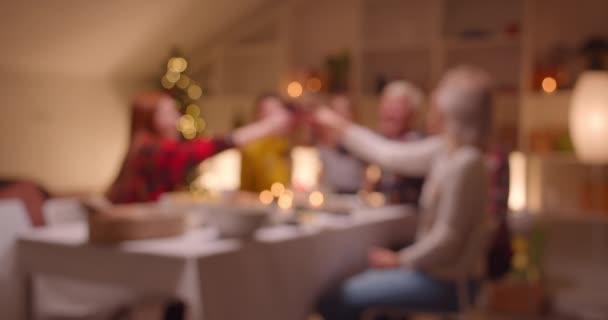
[{"x": 113, "y": 224}]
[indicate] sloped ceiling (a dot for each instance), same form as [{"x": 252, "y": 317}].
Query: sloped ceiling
[{"x": 115, "y": 38}]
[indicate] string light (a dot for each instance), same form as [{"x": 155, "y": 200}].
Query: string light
[
  {"x": 194, "y": 92},
  {"x": 172, "y": 76},
  {"x": 201, "y": 124},
  {"x": 177, "y": 64},
  {"x": 166, "y": 83},
  {"x": 373, "y": 173},
  {"x": 183, "y": 82},
  {"x": 193, "y": 110},
  {"x": 294, "y": 89}
]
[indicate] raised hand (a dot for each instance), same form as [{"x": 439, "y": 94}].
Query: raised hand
[{"x": 383, "y": 258}]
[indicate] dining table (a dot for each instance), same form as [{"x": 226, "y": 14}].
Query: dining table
[{"x": 279, "y": 273}]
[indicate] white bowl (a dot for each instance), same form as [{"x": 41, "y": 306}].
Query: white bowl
[{"x": 238, "y": 222}]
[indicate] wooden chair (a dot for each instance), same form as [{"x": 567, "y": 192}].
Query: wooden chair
[
  {"x": 467, "y": 303},
  {"x": 13, "y": 221},
  {"x": 63, "y": 210}
]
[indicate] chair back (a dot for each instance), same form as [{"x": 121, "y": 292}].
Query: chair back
[
  {"x": 63, "y": 210},
  {"x": 13, "y": 222}
]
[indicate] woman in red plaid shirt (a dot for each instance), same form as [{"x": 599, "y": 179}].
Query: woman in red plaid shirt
[{"x": 157, "y": 161}]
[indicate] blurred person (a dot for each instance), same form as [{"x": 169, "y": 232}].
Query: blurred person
[
  {"x": 442, "y": 267},
  {"x": 267, "y": 160},
  {"x": 157, "y": 161},
  {"x": 342, "y": 172},
  {"x": 399, "y": 105}
]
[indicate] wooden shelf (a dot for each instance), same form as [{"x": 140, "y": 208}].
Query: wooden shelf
[
  {"x": 387, "y": 47},
  {"x": 496, "y": 42}
]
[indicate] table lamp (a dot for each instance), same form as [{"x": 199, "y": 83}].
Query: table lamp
[{"x": 589, "y": 117}]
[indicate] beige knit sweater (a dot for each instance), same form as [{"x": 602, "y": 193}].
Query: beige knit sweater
[{"x": 453, "y": 229}]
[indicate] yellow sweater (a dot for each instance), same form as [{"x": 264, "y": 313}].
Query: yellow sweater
[{"x": 265, "y": 162}]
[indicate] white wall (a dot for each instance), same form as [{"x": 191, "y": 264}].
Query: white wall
[{"x": 69, "y": 133}]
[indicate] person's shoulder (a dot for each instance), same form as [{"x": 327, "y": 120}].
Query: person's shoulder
[{"x": 469, "y": 157}]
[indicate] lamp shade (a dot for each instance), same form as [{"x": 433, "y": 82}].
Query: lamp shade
[{"x": 589, "y": 117}]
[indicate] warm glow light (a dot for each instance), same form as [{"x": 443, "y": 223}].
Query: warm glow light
[
  {"x": 285, "y": 201},
  {"x": 189, "y": 133},
  {"x": 194, "y": 92},
  {"x": 376, "y": 199},
  {"x": 166, "y": 83},
  {"x": 588, "y": 117},
  {"x": 549, "y": 84},
  {"x": 316, "y": 199},
  {"x": 373, "y": 173},
  {"x": 185, "y": 123},
  {"x": 294, "y": 89},
  {"x": 314, "y": 84},
  {"x": 183, "y": 81},
  {"x": 517, "y": 182},
  {"x": 172, "y": 76},
  {"x": 277, "y": 189},
  {"x": 221, "y": 172},
  {"x": 201, "y": 124},
  {"x": 306, "y": 167},
  {"x": 177, "y": 64},
  {"x": 266, "y": 197},
  {"x": 193, "y": 110}
]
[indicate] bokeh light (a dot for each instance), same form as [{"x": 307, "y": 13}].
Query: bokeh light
[
  {"x": 194, "y": 92},
  {"x": 201, "y": 124},
  {"x": 166, "y": 83},
  {"x": 549, "y": 84},
  {"x": 316, "y": 199},
  {"x": 314, "y": 84},
  {"x": 277, "y": 189},
  {"x": 185, "y": 123},
  {"x": 376, "y": 199},
  {"x": 373, "y": 173},
  {"x": 266, "y": 197},
  {"x": 183, "y": 82},
  {"x": 294, "y": 89},
  {"x": 177, "y": 64},
  {"x": 193, "y": 110},
  {"x": 172, "y": 76}
]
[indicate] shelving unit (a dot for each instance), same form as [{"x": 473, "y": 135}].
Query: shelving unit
[{"x": 416, "y": 40}]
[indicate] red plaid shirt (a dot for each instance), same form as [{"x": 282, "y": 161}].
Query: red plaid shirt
[{"x": 159, "y": 166}]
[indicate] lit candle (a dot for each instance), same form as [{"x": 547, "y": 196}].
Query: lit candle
[
  {"x": 316, "y": 199},
  {"x": 266, "y": 197},
  {"x": 277, "y": 189},
  {"x": 376, "y": 199},
  {"x": 285, "y": 201}
]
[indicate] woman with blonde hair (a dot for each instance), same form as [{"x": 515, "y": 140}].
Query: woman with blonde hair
[{"x": 442, "y": 265}]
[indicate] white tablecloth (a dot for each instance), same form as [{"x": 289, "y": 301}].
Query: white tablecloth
[{"x": 278, "y": 275}]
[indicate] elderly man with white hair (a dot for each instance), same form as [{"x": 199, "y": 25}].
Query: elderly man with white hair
[
  {"x": 441, "y": 267},
  {"x": 398, "y": 107}
]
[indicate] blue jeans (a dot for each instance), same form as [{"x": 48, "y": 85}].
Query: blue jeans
[{"x": 401, "y": 288}]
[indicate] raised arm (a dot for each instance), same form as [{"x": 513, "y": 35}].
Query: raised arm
[
  {"x": 407, "y": 158},
  {"x": 274, "y": 124}
]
